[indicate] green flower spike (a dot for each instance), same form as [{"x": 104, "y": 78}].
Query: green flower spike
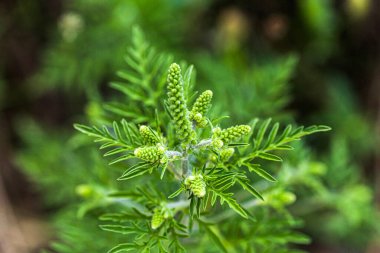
[
  {"x": 148, "y": 136},
  {"x": 232, "y": 133},
  {"x": 177, "y": 104},
  {"x": 160, "y": 214},
  {"x": 157, "y": 218},
  {"x": 151, "y": 154},
  {"x": 225, "y": 154},
  {"x": 196, "y": 185},
  {"x": 200, "y": 108}
]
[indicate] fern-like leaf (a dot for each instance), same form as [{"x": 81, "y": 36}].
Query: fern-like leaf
[
  {"x": 267, "y": 139},
  {"x": 121, "y": 139}
]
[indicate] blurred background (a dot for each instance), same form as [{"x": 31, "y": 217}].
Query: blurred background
[{"x": 305, "y": 61}]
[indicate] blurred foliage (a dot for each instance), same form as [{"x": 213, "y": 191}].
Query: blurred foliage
[
  {"x": 320, "y": 22},
  {"x": 92, "y": 36},
  {"x": 261, "y": 88}
]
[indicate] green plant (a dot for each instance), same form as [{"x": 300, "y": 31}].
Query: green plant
[
  {"x": 228, "y": 190},
  {"x": 179, "y": 166}
]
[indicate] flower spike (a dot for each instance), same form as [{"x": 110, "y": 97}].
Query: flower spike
[
  {"x": 148, "y": 136},
  {"x": 200, "y": 108},
  {"x": 177, "y": 104},
  {"x": 151, "y": 154},
  {"x": 196, "y": 185},
  {"x": 232, "y": 133}
]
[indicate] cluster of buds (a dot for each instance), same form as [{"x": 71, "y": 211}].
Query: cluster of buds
[
  {"x": 226, "y": 153},
  {"x": 220, "y": 139},
  {"x": 160, "y": 214},
  {"x": 152, "y": 154},
  {"x": 148, "y": 136},
  {"x": 196, "y": 185},
  {"x": 200, "y": 108},
  {"x": 230, "y": 134},
  {"x": 177, "y": 105}
]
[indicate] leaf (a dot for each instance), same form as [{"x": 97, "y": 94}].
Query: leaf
[
  {"x": 121, "y": 217},
  {"x": 123, "y": 139},
  {"x": 176, "y": 193},
  {"x": 238, "y": 144},
  {"x": 265, "y": 143},
  {"x": 115, "y": 151},
  {"x": 136, "y": 170},
  {"x": 216, "y": 236},
  {"x": 125, "y": 230},
  {"x": 284, "y": 147},
  {"x": 246, "y": 186},
  {"x": 164, "y": 167},
  {"x": 217, "y": 120},
  {"x": 232, "y": 203},
  {"x": 262, "y": 173},
  {"x": 127, "y": 90},
  {"x": 260, "y": 135},
  {"x": 270, "y": 157},
  {"x": 272, "y": 135},
  {"x": 122, "y": 158},
  {"x": 123, "y": 247}
]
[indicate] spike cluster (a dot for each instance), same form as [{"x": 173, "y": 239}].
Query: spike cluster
[
  {"x": 231, "y": 133},
  {"x": 177, "y": 104},
  {"x": 225, "y": 154},
  {"x": 157, "y": 218},
  {"x": 151, "y": 154},
  {"x": 200, "y": 108},
  {"x": 160, "y": 214},
  {"x": 196, "y": 185},
  {"x": 148, "y": 136}
]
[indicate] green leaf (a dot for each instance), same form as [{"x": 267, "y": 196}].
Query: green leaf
[
  {"x": 136, "y": 170},
  {"x": 246, "y": 186},
  {"x": 232, "y": 203},
  {"x": 262, "y": 173},
  {"x": 123, "y": 247},
  {"x": 125, "y": 230},
  {"x": 214, "y": 233},
  {"x": 260, "y": 135},
  {"x": 121, "y": 158},
  {"x": 270, "y": 157},
  {"x": 176, "y": 193},
  {"x": 272, "y": 142},
  {"x": 238, "y": 144}
]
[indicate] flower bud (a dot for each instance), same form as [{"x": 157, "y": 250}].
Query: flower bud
[
  {"x": 150, "y": 154},
  {"x": 157, "y": 218},
  {"x": 225, "y": 154},
  {"x": 148, "y": 136},
  {"x": 200, "y": 108},
  {"x": 196, "y": 185},
  {"x": 232, "y": 133}
]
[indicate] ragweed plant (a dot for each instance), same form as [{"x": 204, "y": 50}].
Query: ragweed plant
[{"x": 181, "y": 169}]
